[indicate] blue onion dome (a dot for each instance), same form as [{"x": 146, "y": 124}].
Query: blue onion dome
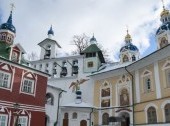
[
  {"x": 128, "y": 45},
  {"x": 93, "y": 40},
  {"x": 163, "y": 27},
  {"x": 8, "y": 25},
  {"x": 51, "y": 31}
]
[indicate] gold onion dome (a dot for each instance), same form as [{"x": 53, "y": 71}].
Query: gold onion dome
[
  {"x": 128, "y": 37},
  {"x": 164, "y": 12}
]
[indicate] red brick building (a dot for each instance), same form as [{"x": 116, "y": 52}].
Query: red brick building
[{"x": 22, "y": 89}]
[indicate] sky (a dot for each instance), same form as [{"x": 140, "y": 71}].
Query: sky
[{"x": 107, "y": 19}]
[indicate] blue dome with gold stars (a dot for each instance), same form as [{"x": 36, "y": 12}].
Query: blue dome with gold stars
[{"x": 8, "y": 25}]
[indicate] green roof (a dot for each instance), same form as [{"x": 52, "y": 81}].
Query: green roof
[
  {"x": 94, "y": 48},
  {"x": 91, "y": 48}
]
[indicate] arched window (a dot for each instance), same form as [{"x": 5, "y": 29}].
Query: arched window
[
  {"x": 105, "y": 119},
  {"x": 151, "y": 114},
  {"x": 164, "y": 42},
  {"x": 74, "y": 116},
  {"x": 124, "y": 97},
  {"x": 49, "y": 99},
  {"x": 133, "y": 58},
  {"x": 65, "y": 115},
  {"x": 3, "y": 36},
  {"x": 125, "y": 58},
  {"x": 167, "y": 112}
]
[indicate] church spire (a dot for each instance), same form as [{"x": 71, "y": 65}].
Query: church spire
[{"x": 50, "y": 32}]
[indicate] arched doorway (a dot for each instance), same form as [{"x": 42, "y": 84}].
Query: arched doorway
[
  {"x": 65, "y": 120},
  {"x": 83, "y": 123},
  {"x": 125, "y": 119}
]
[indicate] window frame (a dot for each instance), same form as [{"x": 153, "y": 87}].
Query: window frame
[
  {"x": 9, "y": 80},
  {"x": 167, "y": 121},
  {"x": 90, "y": 64},
  {"x": 6, "y": 120},
  {"x": 152, "y": 119},
  {"x": 105, "y": 122},
  {"x": 23, "y": 117},
  {"x": 167, "y": 76},
  {"x": 32, "y": 88},
  {"x": 74, "y": 115}
]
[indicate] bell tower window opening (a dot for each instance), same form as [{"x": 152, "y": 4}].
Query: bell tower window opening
[
  {"x": 63, "y": 69},
  {"x": 54, "y": 68},
  {"x": 47, "y": 52},
  {"x": 75, "y": 67},
  {"x": 88, "y": 55}
]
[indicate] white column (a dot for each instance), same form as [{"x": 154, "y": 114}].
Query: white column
[
  {"x": 116, "y": 94},
  {"x": 157, "y": 80},
  {"x": 137, "y": 86}
]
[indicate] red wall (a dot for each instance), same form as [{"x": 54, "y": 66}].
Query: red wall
[{"x": 6, "y": 96}]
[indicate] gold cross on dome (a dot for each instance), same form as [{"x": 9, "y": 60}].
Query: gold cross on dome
[
  {"x": 12, "y": 6},
  {"x": 163, "y": 3},
  {"x": 127, "y": 29}
]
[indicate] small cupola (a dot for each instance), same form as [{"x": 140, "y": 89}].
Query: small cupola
[
  {"x": 50, "y": 32},
  {"x": 128, "y": 52},
  {"x": 93, "y": 40}
]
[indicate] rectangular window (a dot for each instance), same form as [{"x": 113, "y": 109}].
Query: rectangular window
[
  {"x": 22, "y": 120},
  {"x": 168, "y": 78},
  {"x": 28, "y": 86},
  {"x": 5, "y": 79},
  {"x": 90, "y": 64},
  {"x": 3, "y": 120},
  {"x": 147, "y": 84}
]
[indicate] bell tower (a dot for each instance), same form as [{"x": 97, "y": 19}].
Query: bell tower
[
  {"x": 49, "y": 46},
  {"x": 163, "y": 32},
  {"x": 7, "y": 30}
]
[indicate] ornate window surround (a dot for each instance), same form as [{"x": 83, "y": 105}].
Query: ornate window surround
[
  {"x": 166, "y": 69},
  {"x": 9, "y": 70},
  {"x": 146, "y": 74},
  {"x": 163, "y": 108},
  {"x": 146, "y": 110},
  {"x": 106, "y": 85},
  {"x": 29, "y": 76}
]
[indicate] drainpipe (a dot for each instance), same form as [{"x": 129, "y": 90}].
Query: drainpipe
[
  {"x": 132, "y": 94},
  {"x": 55, "y": 124},
  {"x": 90, "y": 116}
]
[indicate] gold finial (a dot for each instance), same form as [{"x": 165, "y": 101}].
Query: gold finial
[
  {"x": 165, "y": 12},
  {"x": 127, "y": 37},
  {"x": 12, "y": 6}
]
